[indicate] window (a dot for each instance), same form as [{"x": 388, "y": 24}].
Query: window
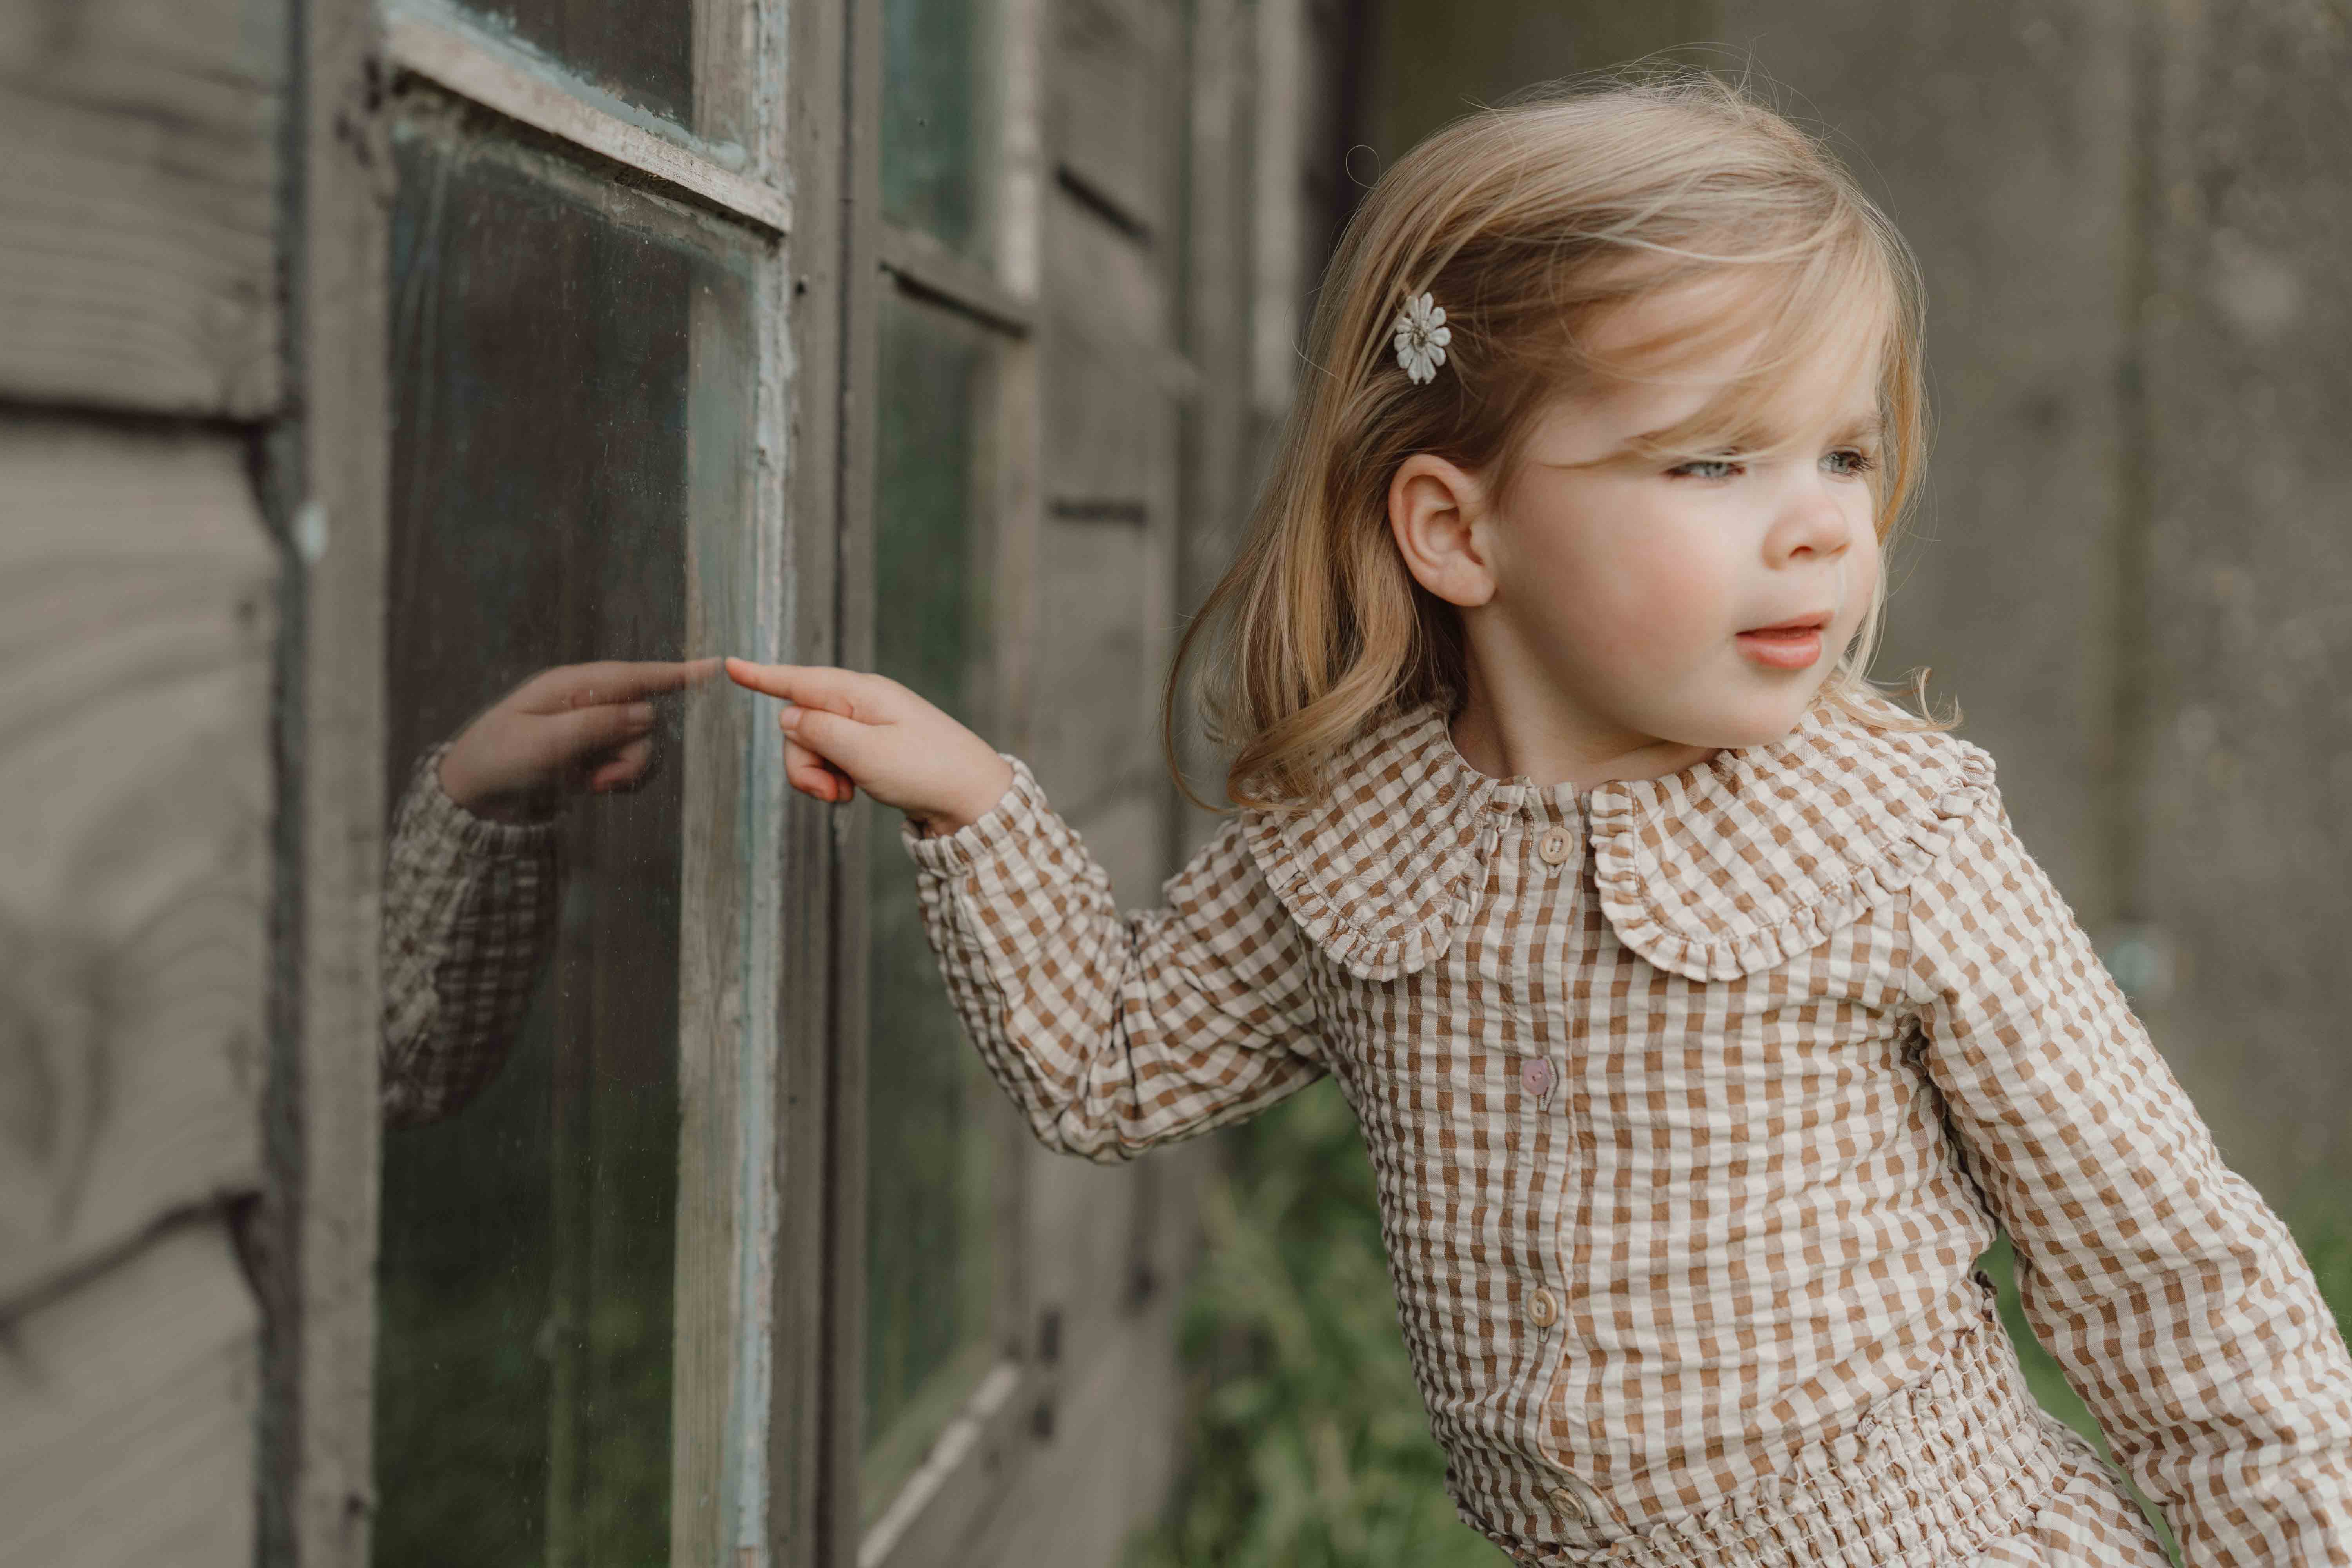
[
  {"x": 932, "y": 1326},
  {"x": 709, "y": 1241},
  {"x": 584, "y": 286},
  {"x": 934, "y": 1293}
]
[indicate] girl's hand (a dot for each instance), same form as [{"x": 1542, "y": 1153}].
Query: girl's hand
[
  {"x": 574, "y": 729},
  {"x": 845, "y": 732}
]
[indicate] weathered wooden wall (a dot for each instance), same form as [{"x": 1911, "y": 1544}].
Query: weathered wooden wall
[
  {"x": 138, "y": 595},
  {"x": 2133, "y": 554},
  {"x": 139, "y": 203},
  {"x": 135, "y": 586},
  {"x": 1102, "y": 1247}
]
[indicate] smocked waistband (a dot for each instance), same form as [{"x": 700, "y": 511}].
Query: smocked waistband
[{"x": 1931, "y": 1474}]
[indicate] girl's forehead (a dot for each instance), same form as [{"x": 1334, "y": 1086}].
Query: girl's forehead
[{"x": 1711, "y": 366}]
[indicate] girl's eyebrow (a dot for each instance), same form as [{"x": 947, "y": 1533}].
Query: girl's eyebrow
[{"x": 1647, "y": 445}]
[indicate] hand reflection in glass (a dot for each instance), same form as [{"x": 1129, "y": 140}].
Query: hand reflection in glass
[
  {"x": 473, "y": 882},
  {"x": 576, "y": 729}
]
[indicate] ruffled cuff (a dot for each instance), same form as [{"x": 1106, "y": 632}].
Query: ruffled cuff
[
  {"x": 1013, "y": 829},
  {"x": 429, "y": 817}
]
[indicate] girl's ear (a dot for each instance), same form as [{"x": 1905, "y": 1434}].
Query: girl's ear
[{"x": 1435, "y": 509}]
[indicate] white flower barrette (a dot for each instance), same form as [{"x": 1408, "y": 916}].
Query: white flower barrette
[{"x": 1421, "y": 335}]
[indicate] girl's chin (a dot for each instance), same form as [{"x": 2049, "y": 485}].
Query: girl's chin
[{"x": 1759, "y": 720}]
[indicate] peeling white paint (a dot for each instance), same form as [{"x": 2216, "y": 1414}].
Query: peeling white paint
[{"x": 478, "y": 67}]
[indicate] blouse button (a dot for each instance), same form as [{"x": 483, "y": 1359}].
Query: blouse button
[
  {"x": 1543, "y": 1309},
  {"x": 1568, "y": 1505},
  {"x": 1535, "y": 1077},
  {"x": 1553, "y": 846}
]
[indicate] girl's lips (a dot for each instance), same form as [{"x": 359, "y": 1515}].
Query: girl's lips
[{"x": 1783, "y": 647}]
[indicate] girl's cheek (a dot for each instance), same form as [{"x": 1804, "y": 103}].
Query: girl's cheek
[{"x": 1650, "y": 621}]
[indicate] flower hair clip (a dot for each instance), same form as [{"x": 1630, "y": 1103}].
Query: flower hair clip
[{"x": 1421, "y": 335}]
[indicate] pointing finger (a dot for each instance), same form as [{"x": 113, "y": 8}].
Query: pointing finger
[
  {"x": 614, "y": 680},
  {"x": 850, "y": 692}
]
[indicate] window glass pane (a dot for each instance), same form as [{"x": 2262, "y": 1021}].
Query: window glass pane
[
  {"x": 642, "y": 51},
  {"x": 939, "y": 117},
  {"x": 569, "y": 375},
  {"x": 930, "y": 1152}
]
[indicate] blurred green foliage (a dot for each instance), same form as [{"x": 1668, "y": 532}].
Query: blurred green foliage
[{"x": 1308, "y": 1448}]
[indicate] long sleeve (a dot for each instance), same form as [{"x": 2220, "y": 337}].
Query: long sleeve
[
  {"x": 1115, "y": 1032},
  {"x": 2175, "y": 1300},
  {"x": 469, "y": 910}
]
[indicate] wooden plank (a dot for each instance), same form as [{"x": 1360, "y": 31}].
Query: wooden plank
[
  {"x": 135, "y": 584},
  {"x": 1217, "y": 474},
  {"x": 1116, "y": 105},
  {"x": 712, "y": 922},
  {"x": 925, "y": 267},
  {"x": 318, "y": 1232},
  {"x": 1094, "y": 681},
  {"x": 960, "y": 1480},
  {"x": 807, "y": 867},
  {"x": 1123, "y": 832},
  {"x": 1081, "y": 1230},
  {"x": 138, "y": 201},
  {"x": 1104, "y": 284},
  {"x": 1282, "y": 257},
  {"x": 839, "y": 1075},
  {"x": 126, "y": 1414},
  {"x": 1097, "y": 1467}
]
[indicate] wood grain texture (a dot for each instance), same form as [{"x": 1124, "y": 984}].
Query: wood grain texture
[
  {"x": 320, "y": 1219},
  {"x": 1120, "y": 64},
  {"x": 137, "y": 202},
  {"x": 816, "y": 127},
  {"x": 134, "y": 688},
  {"x": 1104, "y": 559},
  {"x": 126, "y": 1415}
]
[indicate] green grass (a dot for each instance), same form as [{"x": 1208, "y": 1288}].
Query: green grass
[{"x": 1307, "y": 1446}]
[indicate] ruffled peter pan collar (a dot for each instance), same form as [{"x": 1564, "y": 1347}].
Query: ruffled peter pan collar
[{"x": 1723, "y": 869}]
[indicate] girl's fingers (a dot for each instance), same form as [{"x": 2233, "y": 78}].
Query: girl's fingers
[
  {"x": 813, "y": 775},
  {"x": 573, "y": 734},
  {"x": 625, "y": 770},
  {"x": 850, "y": 692},
  {"x": 612, "y": 680},
  {"x": 853, "y": 748}
]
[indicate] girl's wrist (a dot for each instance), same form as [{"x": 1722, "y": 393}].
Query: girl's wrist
[{"x": 972, "y": 805}]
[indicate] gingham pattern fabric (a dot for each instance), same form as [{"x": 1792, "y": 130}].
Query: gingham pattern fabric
[
  {"x": 1691, "y": 1101},
  {"x": 469, "y": 910}
]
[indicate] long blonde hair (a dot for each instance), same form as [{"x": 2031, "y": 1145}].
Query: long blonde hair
[{"x": 1526, "y": 222}]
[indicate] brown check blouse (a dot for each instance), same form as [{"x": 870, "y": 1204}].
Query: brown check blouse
[
  {"x": 1692, "y": 1101},
  {"x": 469, "y": 917}
]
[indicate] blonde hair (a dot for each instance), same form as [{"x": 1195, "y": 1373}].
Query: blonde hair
[{"x": 1527, "y": 223}]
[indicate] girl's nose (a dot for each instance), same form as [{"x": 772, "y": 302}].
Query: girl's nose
[{"x": 1811, "y": 523}]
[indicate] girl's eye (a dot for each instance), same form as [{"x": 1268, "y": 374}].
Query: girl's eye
[
  {"x": 1848, "y": 462},
  {"x": 1705, "y": 468}
]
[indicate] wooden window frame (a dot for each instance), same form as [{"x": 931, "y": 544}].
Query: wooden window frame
[
  {"x": 805, "y": 180},
  {"x": 737, "y": 1410},
  {"x": 972, "y": 1456}
]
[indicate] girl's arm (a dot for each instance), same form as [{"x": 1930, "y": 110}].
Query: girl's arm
[
  {"x": 474, "y": 870},
  {"x": 469, "y": 917},
  {"x": 1111, "y": 1033},
  {"x": 2176, "y": 1301}
]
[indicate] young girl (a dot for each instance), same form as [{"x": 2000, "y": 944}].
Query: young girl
[{"x": 1701, "y": 1011}]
